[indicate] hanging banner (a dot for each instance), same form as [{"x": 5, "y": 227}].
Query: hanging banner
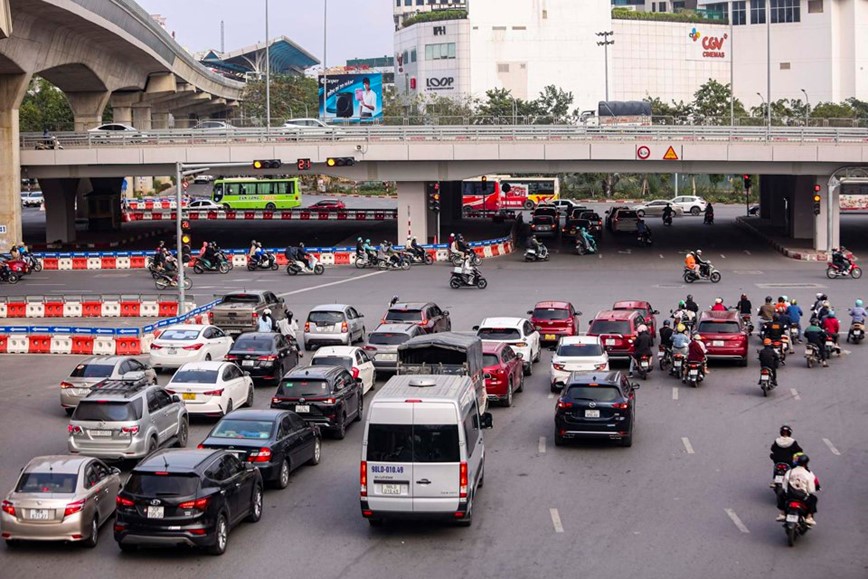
[{"x": 351, "y": 98}]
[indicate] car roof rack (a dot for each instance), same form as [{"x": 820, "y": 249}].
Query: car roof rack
[{"x": 126, "y": 388}]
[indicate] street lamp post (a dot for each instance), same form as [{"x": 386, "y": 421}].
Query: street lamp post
[
  {"x": 762, "y": 98},
  {"x": 325, "y": 70},
  {"x": 769, "y": 63},
  {"x": 605, "y": 44},
  {"x": 807, "y": 106},
  {"x": 267, "y": 73}
]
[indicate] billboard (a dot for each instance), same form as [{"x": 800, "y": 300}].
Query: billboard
[
  {"x": 351, "y": 98},
  {"x": 702, "y": 46}
]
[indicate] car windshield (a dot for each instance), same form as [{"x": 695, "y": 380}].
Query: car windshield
[
  {"x": 195, "y": 376},
  {"x": 240, "y": 299},
  {"x": 609, "y": 327},
  {"x": 162, "y": 485},
  {"x": 413, "y": 443},
  {"x": 404, "y": 316},
  {"x": 498, "y": 334},
  {"x": 46, "y": 482},
  {"x": 92, "y": 371},
  {"x": 301, "y": 388},
  {"x": 325, "y": 317},
  {"x": 253, "y": 344},
  {"x": 718, "y": 327},
  {"x": 333, "y": 361},
  {"x": 108, "y": 411},
  {"x": 595, "y": 393},
  {"x": 181, "y": 335},
  {"x": 388, "y": 339},
  {"x": 490, "y": 360},
  {"x": 551, "y": 314},
  {"x": 570, "y": 350},
  {"x": 251, "y": 429}
]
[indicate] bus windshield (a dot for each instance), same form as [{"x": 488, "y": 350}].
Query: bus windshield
[{"x": 262, "y": 194}]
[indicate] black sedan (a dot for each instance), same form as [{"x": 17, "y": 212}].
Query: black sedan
[
  {"x": 267, "y": 356},
  {"x": 275, "y": 441},
  {"x": 187, "y": 497},
  {"x": 596, "y": 405}
]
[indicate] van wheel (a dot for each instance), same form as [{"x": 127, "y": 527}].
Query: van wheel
[{"x": 468, "y": 516}]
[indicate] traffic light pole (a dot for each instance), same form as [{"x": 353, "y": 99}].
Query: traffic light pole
[
  {"x": 747, "y": 202},
  {"x": 182, "y": 294}
]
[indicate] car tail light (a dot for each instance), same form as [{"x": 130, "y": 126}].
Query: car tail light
[
  {"x": 192, "y": 347},
  {"x": 130, "y": 429},
  {"x": 213, "y": 393},
  {"x": 267, "y": 358},
  {"x": 230, "y": 357},
  {"x": 562, "y": 404},
  {"x": 156, "y": 346},
  {"x": 199, "y": 504},
  {"x": 123, "y": 502},
  {"x": 210, "y": 317},
  {"x": 363, "y": 480},
  {"x": 330, "y": 401},
  {"x": 462, "y": 480},
  {"x": 198, "y": 531},
  {"x": 620, "y": 405},
  {"x": 8, "y": 508},
  {"x": 558, "y": 366},
  {"x": 72, "y": 429},
  {"x": 65, "y": 385},
  {"x": 369, "y": 348},
  {"x": 261, "y": 455},
  {"x": 275, "y": 400},
  {"x": 73, "y": 508},
  {"x": 600, "y": 366},
  {"x": 255, "y": 315},
  {"x": 307, "y": 326},
  {"x": 355, "y": 373},
  {"x": 344, "y": 327}
]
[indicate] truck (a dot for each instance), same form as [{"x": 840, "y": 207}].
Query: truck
[
  {"x": 239, "y": 312},
  {"x": 618, "y": 113}
]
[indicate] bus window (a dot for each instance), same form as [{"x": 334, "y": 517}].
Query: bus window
[
  {"x": 280, "y": 187},
  {"x": 263, "y": 188},
  {"x": 233, "y": 189}
]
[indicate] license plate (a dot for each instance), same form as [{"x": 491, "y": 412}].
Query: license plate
[
  {"x": 793, "y": 518},
  {"x": 391, "y": 489},
  {"x": 764, "y": 377},
  {"x": 247, "y": 362},
  {"x": 39, "y": 514},
  {"x": 659, "y": 354},
  {"x": 779, "y": 479},
  {"x": 387, "y": 357},
  {"x": 302, "y": 408},
  {"x": 830, "y": 344},
  {"x": 100, "y": 432},
  {"x": 188, "y": 396},
  {"x": 694, "y": 373},
  {"x": 171, "y": 351},
  {"x": 717, "y": 343},
  {"x": 238, "y": 453},
  {"x": 609, "y": 342},
  {"x": 549, "y": 337},
  {"x": 592, "y": 413},
  {"x": 644, "y": 364},
  {"x": 155, "y": 512}
]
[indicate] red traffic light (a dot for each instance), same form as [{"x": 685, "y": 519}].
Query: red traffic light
[
  {"x": 817, "y": 188},
  {"x": 746, "y": 177}
]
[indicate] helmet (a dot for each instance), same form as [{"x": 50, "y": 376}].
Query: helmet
[
  {"x": 413, "y": 238},
  {"x": 718, "y": 300},
  {"x": 681, "y": 328},
  {"x": 699, "y": 252},
  {"x": 786, "y": 430},
  {"x": 826, "y": 304},
  {"x": 689, "y": 297},
  {"x": 301, "y": 244},
  {"x": 801, "y": 459},
  {"x": 819, "y": 296},
  {"x": 642, "y": 328},
  {"x": 253, "y": 242},
  {"x": 785, "y": 298},
  {"x": 359, "y": 239},
  {"x": 681, "y": 303},
  {"x": 368, "y": 241},
  {"x": 794, "y": 302},
  {"x": 266, "y": 311},
  {"x": 666, "y": 323},
  {"x": 858, "y": 303},
  {"x": 824, "y": 297},
  {"x": 744, "y": 296},
  {"x": 831, "y": 313},
  {"x": 768, "y": 299},
  {"x": 767, "y": 342},
  {"x": 697, "y": 337}
]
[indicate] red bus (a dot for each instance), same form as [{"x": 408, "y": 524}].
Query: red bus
[{"x": 497, "y": 192}]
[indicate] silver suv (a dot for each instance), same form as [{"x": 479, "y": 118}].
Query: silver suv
[{"x": 127, "y": 420}]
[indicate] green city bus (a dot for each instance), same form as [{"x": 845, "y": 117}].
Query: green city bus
[{"x": 251, "y": 193}]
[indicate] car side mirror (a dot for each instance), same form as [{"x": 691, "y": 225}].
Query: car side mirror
[
  {"x": 246, "y": 373},
  {"x": 486, "y": 420},
  {"x": 634, "y": 385},
  {"x": 530, "y": 312},
  {"x": 446, "y": 313},
  {"x": 475, "y": 328},
  {"x": 578, "y": 314},
  {"x": 176, "y": 398},
  {"x": 115, "y": 470},
  {"x": 519, "y": 355},
  {"x": 655, "y": 313},
  {"x": 487, "y": 376}
]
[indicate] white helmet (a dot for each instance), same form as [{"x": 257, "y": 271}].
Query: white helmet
[
  {"x": 266, "y": 311},
  {"x": 718, "y": 300}
]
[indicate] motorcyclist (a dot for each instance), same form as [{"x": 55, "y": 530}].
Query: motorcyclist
[
  {"x": 392, "y": 254},
  {"x": 690, "y": 263},
  {"x": 539, "y": 248},
  {"x": 302, "y": 255},
  {"x": 668, "y": 213},
  {"x": 468, "y": 270},
  {"x": 266, "y": 322},
  {"x": 641, "y": 347},
  {"x": 681, "y": 340},
  {"x": 455, "y": 248},
  {"x": 782, "y": 304},
  {"x": 683, "y": 315},
  {"x": 691, "y": 305},
  {"x": 462, "y": 245},
  {"x": 824, "y": 310},
  {"x": 590, "y": 242},
  {"x": 159, "y": 258},
  {"x": 768, "y": 358},
  {"x": 709, "y": 214},
  {"x": 251, "y": 253},
  {"x": 800, "y": 483},
  {"x": 784, "y": 448},
  {"x": 767, "y": 310},
  {"x": 666, "y": 335},
  {"x": 704, "y": 266},
  {"x": 858, "y": 313},
  {"x": 643, "y": 230},
  {"x": 208, "y": 255},
  {"x": 744, "y": 306},
  {"x": 415, "y": 248},
  {"x": 774, "y": 330},
  {"x": 818, "y": 302},
  {"x": 832, "y": 326},
  {"x": 839, "y": 260},
  {"x": 696, "y": 352},
  {"x": 718, "y": 305},
  {"x": 360, "y": 247},
  {"x": 795, "y": 313},
  {"x": 369, "y": 249},
  {"x": 815, "y": 335}
]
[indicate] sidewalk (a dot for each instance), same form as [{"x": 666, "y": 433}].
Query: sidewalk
[{"x": 801, "y": 249}]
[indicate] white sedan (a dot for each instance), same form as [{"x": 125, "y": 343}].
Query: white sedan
[
  {"x": 518, "y": 333},
  {"x": 577, "y": 354},
  {"x": 183, "y": 343},
  {"x": 356, "y": 360},
  {"x": 214, "y": 388},
  {"x": 200, "y": 204}
]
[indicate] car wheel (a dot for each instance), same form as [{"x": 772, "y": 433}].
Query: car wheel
[
  {"x": 221, "y": 536},
  {"x": 528, "y": 369},
  {"x": 229, "y": 407},
  {"x": 695, "y": 211},
  {"x": 520, "y": 383},
  {"x": 249, "y": 401},
  {"x": 627, "y": 441},
  {"x": 183, "y": 434},
  {"x": 340, "y": 431},
  {"x": 255, "y": 505},
  {"x": 361, "y": 409},
  {"x": 317, "y": 452},
  {"x": 69, "y": 411},
  {"x": 508, "y": 400},
  {"x": 270, "y": 207},
  {"x": 559, "y": 440},
  {"x": 207, "y": 357},
  {"x": 152, "y": 446},
  {"x": 743, "y": 363},
  {"x": 93, "y": 538},
  {"x": 538, "y": 355}
]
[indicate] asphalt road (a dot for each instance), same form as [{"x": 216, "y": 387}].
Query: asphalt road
[{"x": 689, "y": 499}]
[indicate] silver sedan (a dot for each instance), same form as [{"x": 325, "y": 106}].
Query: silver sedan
[{"x": 655, "y": 208}]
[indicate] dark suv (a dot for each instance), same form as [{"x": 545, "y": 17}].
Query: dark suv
[
  {"x": 427, "y": 316},
  {"x": 596, "y": 405},
  {"x": 328, "y": 396},
  {"x": 267, "y": 356},
  {"x": 187, "y": 497}
]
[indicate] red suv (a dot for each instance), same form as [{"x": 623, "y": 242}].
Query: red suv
[
  {"x": 724, "y": 335},
  {"x": 643, "y": 308},
  {"x": 617, "y": 330},
  {"x": 554, "y": 319},
  {"x": 503, "y": 370}
]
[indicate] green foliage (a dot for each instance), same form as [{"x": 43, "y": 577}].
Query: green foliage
[
  {"x": 291, "y": 96},
  {"x": 554, "y": 105},
  {"x": 436, "y": 16},
  {"x": 45, "y": 107},
  {"x": 500, "y": 104},
  {"x": 833, "y": 110},
  {"x": 683, "y": 16},
  {"x": 711, "y": 104}
]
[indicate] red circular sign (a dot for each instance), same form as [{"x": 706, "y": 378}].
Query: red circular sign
[{"x": 643, "y": 152}]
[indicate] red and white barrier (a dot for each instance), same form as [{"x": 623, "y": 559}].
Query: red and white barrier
[
  {"x": 156, "y": 214},
  {"x": 96, "y": 307}
]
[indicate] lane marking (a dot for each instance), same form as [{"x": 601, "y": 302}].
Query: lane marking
[
  {"x": 661, "y": 256},
  {"x": 687, "y": 446},
  {"x": 722, "y": 256},
  {"x": 625, "y": 251},
  {"x": 675, "y": 392},
  {"x": 831, "y": 446},
  {"x": 795, "y": 394},
  {"x": 746, "y": 252},
  {"x": 739, "y": 525},
  {"x": 542, "y": 444},
  {"x": 600, "y": 255},
  {"x": 551, "y": 395},
  {"x": 556, "y": 521},
  {"x": 334, "y": 283},
  {"x": 45, "y": 284}
]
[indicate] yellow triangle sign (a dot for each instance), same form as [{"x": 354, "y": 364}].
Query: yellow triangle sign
[{"x": 670, "y": 155}]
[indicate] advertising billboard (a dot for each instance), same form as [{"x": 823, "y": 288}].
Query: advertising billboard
[
  {"x": 351, "y": 98},
  {"x": 705, "y": 47}
]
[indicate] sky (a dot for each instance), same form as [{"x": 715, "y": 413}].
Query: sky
[{"x": 355, "y": 29}]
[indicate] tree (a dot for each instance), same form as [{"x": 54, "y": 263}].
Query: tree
[
  {"x": 860, "y": 108},
  {"x": 554, "y": 105},
  {"x": 500, "y": 107},
  {"x": 291, "y": 96},
  {"x": 833, "y": 111},
  {"x": 664, "y": 114},
  {"x": 45, "y": 107},
  {"x": 711, "y": 104}
]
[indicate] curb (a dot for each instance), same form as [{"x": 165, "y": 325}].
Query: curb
[{"x": 801, "y": 255}]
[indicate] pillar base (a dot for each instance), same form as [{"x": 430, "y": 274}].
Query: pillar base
[{"x": 412, "y": 211}]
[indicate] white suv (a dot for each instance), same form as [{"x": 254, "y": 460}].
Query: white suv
[
  {"x": 518, "y": 333},
  {"x": 689, "y": 204}
]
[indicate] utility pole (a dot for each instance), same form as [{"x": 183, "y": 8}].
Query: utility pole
[
  {"x": 605, "y": 44},
  {"x": 267, "y": 73}
]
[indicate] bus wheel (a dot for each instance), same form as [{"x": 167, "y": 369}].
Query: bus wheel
[
  {"x": 528, "y": 204},
  {"x": 270, "y": 207},
  {"x": 226, "y": 206}
]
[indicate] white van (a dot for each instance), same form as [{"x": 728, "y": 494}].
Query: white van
[{"x": 423, "y": 454}]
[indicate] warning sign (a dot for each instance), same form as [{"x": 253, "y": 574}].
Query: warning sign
[{"x": 670, "y": 155}]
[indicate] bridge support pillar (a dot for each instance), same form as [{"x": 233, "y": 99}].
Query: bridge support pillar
[
  {"x": 60, "y": 195},
  {"x": 412, "y": 211},
  {"x": 87, "y": 108},
  {"x": 12, "y": 90},
  {"x": 802, "y": 208},
  {"x": 142, "y": 117},
  {"x": 159, "y": 120}
]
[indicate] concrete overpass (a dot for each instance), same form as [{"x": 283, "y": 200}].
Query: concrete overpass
[
  {"x": 791, "y": 160},
  {"x": 97, "y": 52}
]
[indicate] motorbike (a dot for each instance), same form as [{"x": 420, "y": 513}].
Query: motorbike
[
  {"x": 644, "y": 366},
  {"x": 781, "y": 348},
  {"x": 832, "y": 348},
  {"x": 667, "y": 220},
  {"x": 218, "y": 264},
  {"x": 748, "y": 323},
  {"x": 693, "y": 375},
  {"x": 709, "y": 273},
  {"x": 794, "y": 524},
  {"x": 531, "y": 254},
  {"x": 33, "y": 264},
  {"x": 267, "y": 261},
  {"x": 165, "y": 281},
  {"x": 583, "y": 247},
  {"x": 644, "y": 239},
  {"x": 709, "y": 219},
  {"x": 364, "y": 260},
  {"x": 456, "y": 259},
  {"x": 677, "y": 365},
  {"x": 812, "y": 355},
  {"x": 664, "y": 356},
  {"x": 222, "y": 256},
  {"x": 296, "y": 267},
  {"x": 834, "y": 271},
  {"x": 686, "y": 317},
  {"x": 765, "y": 381},
  {"x": 169, "y": 266},
  {"x": 415, "y": 259},
  {"x": 394, "y": 261},
  {"x": 49, "y": 144},
  {"x": 8, "y": 275},
  {"x": 793, "y": 334},
  {"x": 474, "y": 279},
  {"x": 781, "y": 469},
  {"x": 856, "y": 333}
]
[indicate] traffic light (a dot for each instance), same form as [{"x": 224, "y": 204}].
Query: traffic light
[
  {"x": 434, "y": 198},
  {"x": 747, "y": 182},
  {"x": 341, "y": 161},
  {"x": 817, "y": 199},
  {"x": 186, "y": 252},
  {"x": 267, "y": 164},
  {"x": 484, "y": 184}
]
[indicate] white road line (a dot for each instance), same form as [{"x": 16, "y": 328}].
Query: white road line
[
  {"x": 675, "y": 392},
  {"x": 746, "y": 252},
  {"x": 551, "y": 395},
  {"x": 600, "y": 255},
  {"x": 316, "y": 287},
  {"x": 542, "y": 444},
  {"x": 831, "y": 446},
  {"x": 795, "y": 394},
  {"x": 722, "y": 256},
  {"x": 45, "y": 284},
  {"x": 556, "y": 521},
  {"x": 661, "y": 256},
  {"x": 687, "y": 446},
  {"x": 739, "y": 525}
]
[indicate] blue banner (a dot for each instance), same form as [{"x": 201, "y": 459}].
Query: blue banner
[{"x": 351, "y": 98}]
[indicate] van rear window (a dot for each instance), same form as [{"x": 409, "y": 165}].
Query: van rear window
[{"x": 413, "y": 443}]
